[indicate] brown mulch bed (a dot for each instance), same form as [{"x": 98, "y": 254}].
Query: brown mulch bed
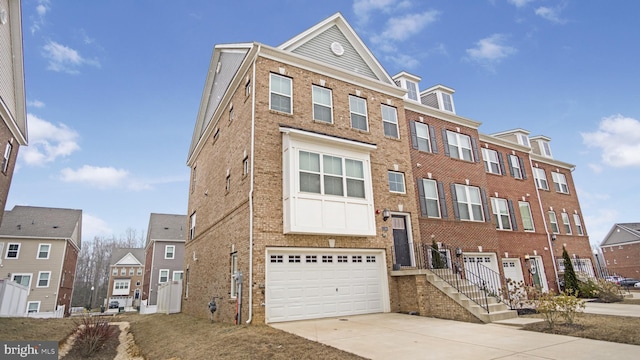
[{"x": 108, "y": 351}]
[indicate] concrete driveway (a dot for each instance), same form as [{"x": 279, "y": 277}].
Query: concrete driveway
[{"x": 398, "y": 336}]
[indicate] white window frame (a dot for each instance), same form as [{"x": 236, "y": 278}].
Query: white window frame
[
  {"x": 160, "y": 272},
  {"x": 390, "y": 121},
  {"x": 525, "y": 205},
  {"x": 578, "y": 222},
  {"x": 541, "y": 178},
  {"x": 491, "y": 161},
  {"x": 131, "y": 271},
  {"x": 245, "y": 166},
  {"x": 316, "y": 93},
  {"x": 560, "y": 182},
  {"x": 177, "y": 275},
  {"x": 30, "y": 275},
  {"x": 412, "y": 90},
  {"x": 40, "y": 273},
  {"x": 435, "y": 199},
  {"x": 354, "y": 104},
  {"x": 7, "y": 157},
  {"x": 114, "y": 272},
  {"x": 566, "y": 222},
  {"x": 279, "y": 93},
  {"x": 40, "y": 251},
  {"x": 324, "y": 173},
  {"x": 523, "y": 140},
  {"x": 500, "y": 209},
  {"x": 234, "y": 268},
  {"x": 447, "y": 102},
  {"x": 28, "y": 309},
  {"x": 192, "y": 226},
  {"x": 463, "y": 192},
  {"x": 545, "y": 148},
  {"x": 121, "y": 287},
  {"x": 169, "y": 255},
  {"x": 460, "y": 145},
  {"x": 396, "y": 180},
  {"x": 553, "y": 221},
  {"x": 6, "y": 255},
  {"x": 139, "y": 271},
  {"x": 423, "y": 137},
  {"x": 123, "y": 271},
  {"x": 515, "y": 165}
]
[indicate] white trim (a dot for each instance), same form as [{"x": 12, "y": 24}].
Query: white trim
[
  {"x": 48, "y": 251},
  {"x": 173, "y": 252},
  {"x": 6, "y": 254},
  {"x": 160, "y": 275},
  {"x": 13, "y": 275},
  {"x": 32, "y": 302},
  {"x": 404, "y": 186},
  {"x": 176, "y": 272},
  {"x": 48, "y": 279}
]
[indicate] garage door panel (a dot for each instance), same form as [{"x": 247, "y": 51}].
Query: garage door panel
[{"x": 324, "y": 283}]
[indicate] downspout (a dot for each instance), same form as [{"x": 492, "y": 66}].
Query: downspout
[
  {"x": 253, "y": 127},
  {"x": 546, "y": 229}
]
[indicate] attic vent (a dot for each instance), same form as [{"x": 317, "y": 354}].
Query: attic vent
[
  {"x": 19, "y": 227},
  {"x": 337, "y": 48}
]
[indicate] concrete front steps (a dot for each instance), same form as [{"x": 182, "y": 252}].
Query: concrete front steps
[{"x": 497, "y": 310}]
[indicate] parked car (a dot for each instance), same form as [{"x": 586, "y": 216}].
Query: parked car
[
  {"x": 637, "y": 285},
  {"x": 614, "y": 278},
  {"x": 629, "y": 282},
  {"x": 114, "y": 305}
]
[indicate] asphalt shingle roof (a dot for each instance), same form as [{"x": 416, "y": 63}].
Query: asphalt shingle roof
[
  {"x": 166, "y": 227},
  {"x": 27, "y": 221}
]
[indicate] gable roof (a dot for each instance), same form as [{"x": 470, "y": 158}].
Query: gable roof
[
  {"x": 42, "y": 222},
  {"x": 621, "y": 234},
  {"x": 334, "y": 42},
  {"x": 166, "y": 227},
  {"x": 127, "y": 256}
]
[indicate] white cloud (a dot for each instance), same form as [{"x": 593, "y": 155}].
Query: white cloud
[
  {"x": 618, "y": 137},
  {"x": 42, "y": 8},
  {"x": 93, "y": 226},
  {"x": 35, "y": 103},
  {"x": 65, "y": 59},
  {"x": 47, "y": 141},
  {"x": 519, "y": 3},
  {"x": 596, "y": 168},
  {"x": 100, "y": 177},
  {"x": 363, "y": 8},
  {"x": 406, "y": 61},
  {"x": 599, "y": 223},
  {"x": 551, "y": 13},
  {"x": 491, "y": 50}
]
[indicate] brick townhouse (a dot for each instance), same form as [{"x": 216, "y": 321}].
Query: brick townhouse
[{"x": 310, "y": 179}]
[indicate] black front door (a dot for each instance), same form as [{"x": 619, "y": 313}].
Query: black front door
[{"x": 400, "y": 241}]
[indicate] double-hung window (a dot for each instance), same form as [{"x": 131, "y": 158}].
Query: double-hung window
[
  {"x": 280, "y": 88},
  {"x": 566, "y": 223},
  {"x": 525, "y": 213},
  {"x": 553, "y": 221},
  {"x": 192, "y": 226},
  {"x": 358, "y": 110},
  {"x": 579, "y": 229},
  {"x": 560, "y": 182},
  {"x": 163, "y": 276},
  {"x": 412, "y": 90},
  {"x": 390, "y": 121},
  {"x": 43, "y": 279},
  {"x": 169, "y": 251},
  {"x": 7, "y": 156},
  {"x": 234, "y": 270},
  {"x": 459, "y": 146},
  {"x": 422, "y": 137},
  {"x": 447, "y": 102},
  {"x": 501, "y": 214},
  {"x": 396, "y": 182},
  {"x": 516, "y": 167},
  {"x": 43, "y": 251},
  {"x": 322, "y": 104},
  {"x": 541, "y": 178},
  {"x": 430, "y": 192},
  {"x": 491, "y": 161},
  {"x": 13, "y": 250},
  {"x": 468, "y": 203}
]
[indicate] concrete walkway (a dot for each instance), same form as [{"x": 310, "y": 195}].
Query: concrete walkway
[
  {"x": 398, "y": 336},
  {"x": 612, "y": 309}
]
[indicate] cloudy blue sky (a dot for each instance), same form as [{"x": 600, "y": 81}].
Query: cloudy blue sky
[{"x": 113, "y": 88}]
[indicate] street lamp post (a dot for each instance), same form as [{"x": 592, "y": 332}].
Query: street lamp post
[
  {"x": 598, "y": 268},
  {"x": 91, "y": 298}
]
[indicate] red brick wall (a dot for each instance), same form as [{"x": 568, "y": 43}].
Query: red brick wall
[{"x": 623, "y": 260}]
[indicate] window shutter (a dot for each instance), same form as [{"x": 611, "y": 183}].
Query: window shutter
[
  {"x": 454, "y": 198},
  {"x": 510, "y": 167},
  {"x": 445, "y": 143},
  {"x": 474, "y": 146},
  {"x": 414, "y": 136},
  {"x": 432, "y": 138},
  {"x": 512, "y": 215},
  {"x": 524, "y": 173},
  {"x": 485, "y": 205},
  {"x": 501, "y": 162},
  {"x": 443, "y": 203},
  {"x": 423, "y": 200}
]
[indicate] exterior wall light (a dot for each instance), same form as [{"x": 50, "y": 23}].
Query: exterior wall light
[{"x": 386, "y": 214}]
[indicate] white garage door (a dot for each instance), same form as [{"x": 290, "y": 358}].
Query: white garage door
[{"x": 316, "y": 283}]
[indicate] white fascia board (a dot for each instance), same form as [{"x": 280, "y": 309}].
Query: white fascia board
[
  {"x": 550, "y": 161},
  {"x": 440, "y": 114},
  {"x": 438, "y": 87},
  {"x": 508, "y": 144},
  {"x": 512, "y": 131},
  {"x": 406, "y": 75},
  {"x": 15, "y": 13},
  {"x": 308, "y": 64},
  {"x": 297, "y": 133}
]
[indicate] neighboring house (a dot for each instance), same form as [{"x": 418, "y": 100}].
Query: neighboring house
[
  {"x": 126, "y": 272},
  {"x": 318, "y": 178},
  {"x": 164, "y": 253},
  {"x": 13, "y": 116},
  {"x": 39, "y": 249},
  {"x": 621, "y": 250}
]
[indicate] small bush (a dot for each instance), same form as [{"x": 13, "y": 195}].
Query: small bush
[
  {"x": 588, "y": 289},
  {"x": 93, "y": 332},
  {"x": 608, "y": 291},
  {"x": 569, "y": 306},
  {"x": 554, "y": 307}
]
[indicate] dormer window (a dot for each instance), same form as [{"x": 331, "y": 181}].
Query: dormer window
[
  {"x": 447, "y": 102},
  {"x": 412, "y": 89},
  {"x": 410, "y": 83},
  {"x": 523, "y": 140},
  {"x": 545, "y": 148},
  {"x": 439, "y": 97}
]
